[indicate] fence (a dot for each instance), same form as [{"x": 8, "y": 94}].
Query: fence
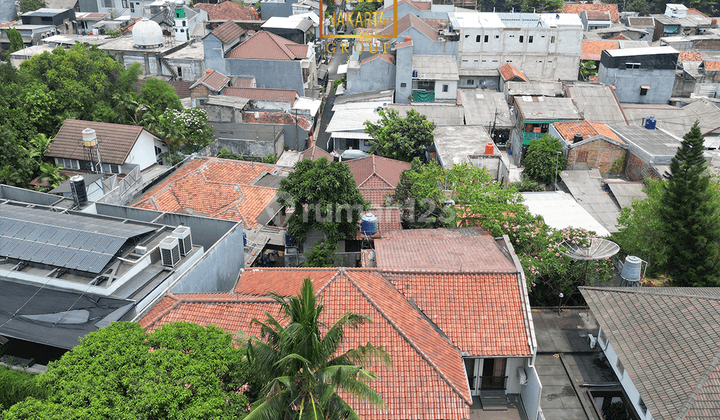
[{"x": 121, "y": 190}]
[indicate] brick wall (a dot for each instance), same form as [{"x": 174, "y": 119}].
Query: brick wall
[
  {"x": 598, "y": 154},
  {"x": 637, "y": 170},
  {"x": 200, "y": 91}
]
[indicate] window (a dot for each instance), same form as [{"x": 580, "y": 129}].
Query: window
[
  {"x": 424, "y": 85},
  {"x": 497, "y": 36},
  {"x": 445, "y": 88},
  {"x": 108, "y": 3},
  {"x": 179, "y": 71},
  {"x": 521, "y": 38},
  {"x": 632, "y": 65},
  {"x": 403, "y": 84},
  {"x": 471, "y": 82},
  {"x": 487, "y": 38},
  {"x": 477, "y": 38},
  {"x": 644, "y": 90},
  {"x": 69, "y": 163},
  {"x": 110, "y": 169},
  {"x": 184, "y": 23},
  {"x": 530, "y": 39},
  {"x": 642, "y": 405},
  {"x": 132, "y": 7},
  {"x": 182, "y": 31},
  {"x": 552, "y": 39}
]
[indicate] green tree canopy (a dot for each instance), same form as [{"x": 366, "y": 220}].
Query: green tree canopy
[
  {"x": 180, "y": 371},
  {"x": 30, "y": 5},
  {"x": 544, "y": 159},
  {"x": 325, "y": 197},
  {"x": 690, "y": 217},
  {"x": 16, "y": 41},
  {"x": 400, "y": 138},
  {"x": 301, "y": 368},
  {"x": 158, "y": 96}
]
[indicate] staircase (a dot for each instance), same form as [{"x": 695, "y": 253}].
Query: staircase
[{"x": 493, "y": 400}]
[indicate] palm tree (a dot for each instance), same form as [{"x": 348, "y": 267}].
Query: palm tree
[{"x": 298, "y": 367}]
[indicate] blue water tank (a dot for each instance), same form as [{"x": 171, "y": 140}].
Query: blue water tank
[
  {"x": 368, "y": 224},
  {"x": 289, "y": 241},
  {"x": 631, "y": 269},
  {"x": 650, "y": 123}
]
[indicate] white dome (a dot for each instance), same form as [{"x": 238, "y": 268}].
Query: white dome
[{"x": 147, "y": 34}]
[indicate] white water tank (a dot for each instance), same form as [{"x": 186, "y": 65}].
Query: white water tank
[{"x": 147, "y": 34}]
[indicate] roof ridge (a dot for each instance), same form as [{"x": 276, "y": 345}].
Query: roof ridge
[
  {"x": 159, "y": 315},
  {"x": 649, "y": 291},
  {"x": 695, "y": 393},
  {"x": 402, "y": 333}
]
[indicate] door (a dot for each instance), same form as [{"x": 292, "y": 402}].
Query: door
[
  {"x": 493, "y": 373},
  {"x": 473, "y": 368}
]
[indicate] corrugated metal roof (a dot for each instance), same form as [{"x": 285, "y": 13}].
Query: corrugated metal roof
[
  {"x": 597, "y": 103},
  {"x": 485, "y": 107}
]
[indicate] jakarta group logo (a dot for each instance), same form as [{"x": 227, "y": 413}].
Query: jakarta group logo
[{"x": 341, "y": 21}]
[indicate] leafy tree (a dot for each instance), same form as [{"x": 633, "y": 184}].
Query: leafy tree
[
  {"x": 616, "y": 411},
  {"x": 301, "y": 368},
  {"x": 690, "y": 216},
  {"x": 185, "y": 131},
  {"x": 325, "y": 197},
  {"x": 180, "y": 371},
  {"x": 544, "y": 159},
  {"x": 16, "y": 41},
  {"x": 365, "y": 7},
  {"x": 16, "y": 163},
  {"x": 226, "y": 154},
  {"x": 640, "y": 232},
  {"x": 425, "y": 204},
  {"x": 16, "y": 385},
  {"x": 51, "y": 174},
  {"x": 158, "y": 96},
  {"x": 270, "y": 159},
  {"x": 30, "y": 5},
  {"x": 527, "y": 184},
  {"x": 400, "y": 138}
]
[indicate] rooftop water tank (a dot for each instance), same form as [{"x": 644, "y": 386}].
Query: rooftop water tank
[
  {"x": 631, "y": 270},
  {"x": 489, "y": 148},
  {"x": 147, "y": 34},
  {"x": 77, "y": 187},
  {"x": 650, "y": 123},
  {"x": 368, "y": 224}
]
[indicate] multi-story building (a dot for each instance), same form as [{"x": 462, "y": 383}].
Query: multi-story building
[{"x": 544, "y": 46}]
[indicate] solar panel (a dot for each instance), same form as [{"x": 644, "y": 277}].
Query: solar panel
[{"x": 72, "y": 241}]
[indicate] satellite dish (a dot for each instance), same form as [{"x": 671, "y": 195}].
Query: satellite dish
[{"x": 597, "y": 249}]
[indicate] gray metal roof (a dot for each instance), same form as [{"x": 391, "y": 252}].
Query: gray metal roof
[
  {"x": 534, "y": 88},
  {"x": 651, "y": 146},
  {"x": 435, "y": 67},
  {"x": 63, "y": 240},
  {"x": 65, "y": 186},
  {"x": 673, "y": 119},
  {"x": 534, "y": 108},
  {"x": 485, "y": 107},
  {"x": 586, "y": 187},
  {"x": 597, "y": 103}
]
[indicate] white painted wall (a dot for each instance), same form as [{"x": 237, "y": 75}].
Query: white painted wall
[
  {"x": 625, "y": 381},
  {"x": 451, "y": 93},
  {"x": 531, "y": 393},
  {"x": 143, "y": 153}
]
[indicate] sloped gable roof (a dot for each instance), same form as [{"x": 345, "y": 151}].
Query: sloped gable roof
[
  {"x": 668, "y": 340},
  {"x": 213, "y": 80},
  {"x": 411, "y": 21},
  {"x": 510, "y": 72},
  {"x": 376, "y": 176},
  {"x": 389, "y": 58},
  {"x": 268, "y": 46},
  {"x": 578, "y": 8},
  {"x": 228, "y": 10},
  {"x": 228, "y": 32},
  {"x": 592, "y": 50},
  {"x": 115, "y": 141},
  {"x": 314, "y": 153}
]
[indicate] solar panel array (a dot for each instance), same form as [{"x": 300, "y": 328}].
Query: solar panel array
[{"x": 63, "y": 240}]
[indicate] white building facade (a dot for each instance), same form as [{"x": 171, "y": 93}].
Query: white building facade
[{"x": 544, "y": 46}]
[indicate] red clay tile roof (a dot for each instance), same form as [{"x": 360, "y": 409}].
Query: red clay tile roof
[
  {"x": 620, "y": 37},
  {"x": 711, "y": 65},
  {"x": 228, "y": 10},
  {"x": 592, "y": 50},
  {"x": 442, "y": 250},
  {"x": 427, "y": 378},
  {"x": 510, "y": 72},
  {"x": 388, "y": 219},
  {"x": 244, "y": 82},
  {"x": 482, "y": 314},
  {"x": 376, "y": 176},
  {"x": 641, "y": 21},
  {"x": 268, "y": 46},
  {"x": 115, "y": 141},
  {"x": 568, "y": 129},
  {"x": 385, "y": 57},
  {"x": 285, "y": 282},
  {"x": 408, "y": 21},
  {"x": 314, "y": 153},
  {"x": 689, "y": 56},
  {"x": 577, "y": 8},
  {"x": 228, "y": 32},
  {"x": 282, "y": 118},
  {"x": 693, "y": 11},
  {"x": 214, "y": 187},
  {"x": 597, "y": 15},
  {"x": 182, "y": 89},
  {"x": 214, "y": 81},
  {"x": 257, "y": 94}
]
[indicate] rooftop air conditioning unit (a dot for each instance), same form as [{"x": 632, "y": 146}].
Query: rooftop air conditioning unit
[
  {"x": 170, "y": 251},
  {"x": 182, "y": 233}
]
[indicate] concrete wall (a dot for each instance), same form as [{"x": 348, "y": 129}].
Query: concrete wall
[
  {"x": 484, "y": 82},
  {"x": 531, "y": 393},
  {"x": 269, "y": 9},
  {"x": 627, "y": 84},
  {"x": 403, "y": 75},
  {"x": 214, "y": 54},
  {"x": 424, "y": 45},
  {"x": 511, "y": 371},
  {"x": 598, "y": 154},
  {"x": 625, "y": 380},
  {"x": 450, "y": 95},
  {"x": 246, "y": 147},
  {"x": 218, "y": 269},
  {"x": 192, "y": 69},
  {"x": 295, "y": 137},
  {"x": 275, "y": 74},
  {"x": 374, "y": 75}
]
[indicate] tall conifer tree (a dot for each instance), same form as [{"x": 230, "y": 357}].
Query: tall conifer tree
[{"x": 691, "y": 217}]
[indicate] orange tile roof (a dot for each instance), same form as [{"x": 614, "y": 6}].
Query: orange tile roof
[
  {"x": 214, "y": 187},
  {"x": 689, "y": 56},
  {"x": 693, "y": 11},
  {"x": 268, "y": 46},
  {"x": 480, "y": 313},
  {"x": 510, "y": 72},
  {"x": 411, "y": 21},
  {"x": 427, "y": 378},
  {"x": 598, "y": 15},
  {"x": 213, "y": 80},
  {"x": 711, "y": 65},
  {"x": 228, "y": 10},
  {"x": 442, "y": 250},
  {"x": 389, "y": 219},
  {"x": 262, "y": 94},
  {"x": 592, "y": 50},
  {"x": 285, "y": 282},
  {"x": 578, "y": 8},
  {"x": 282, "y": 118},
  {"x": 385, "y": 57},
  {"x": 568, "y": 129},
  {"x": 376, "y": 176}
]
